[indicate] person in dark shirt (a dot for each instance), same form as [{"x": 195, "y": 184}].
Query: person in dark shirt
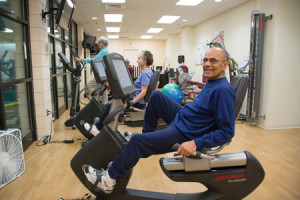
[
  {"x": 130, "y": 68},
  {"x": 207, "y": 122}
]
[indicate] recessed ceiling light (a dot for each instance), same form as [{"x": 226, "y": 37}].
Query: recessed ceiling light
[
  {"x": 113, "y": 29},
  {"x": 218, "y": 1},
  {"x": 188, "y": 2},
  {"x": 113, "y": 1},
  {"x": 99, "y": 29},
  {"x": 113, "y": 17},
  {"x": 167, "y": 19},
  {"x": 113, "y": 36},
  {"x": 154, "y": 30},
  {"x": 146, "y": 36},
  {"x": 94, "y": 18},
  {"x": 184, "y": 20}
]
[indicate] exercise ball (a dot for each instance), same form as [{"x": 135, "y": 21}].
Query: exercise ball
[
  {"x": 176, "y": 95},
  {"x": 168, "y": 87}
]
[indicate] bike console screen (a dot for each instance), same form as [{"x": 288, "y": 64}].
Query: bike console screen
[
  {"x": 99, "y": 71},
  {"x": 125, "y": 81},
  {"x": 118, "y": 76}
]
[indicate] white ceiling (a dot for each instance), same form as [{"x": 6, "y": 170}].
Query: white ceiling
[{"x": 140, "y": 15}]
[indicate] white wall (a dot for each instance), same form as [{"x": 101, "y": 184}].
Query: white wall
[
  {"x": 281, "y": 53},
  {"x": 173, "y": 49},
  {"x": 40, "y": 68},
  {"x": 236, "y": 26},
  {"x": 156, "y": 47},
  {"x": 279, "y": 100}
]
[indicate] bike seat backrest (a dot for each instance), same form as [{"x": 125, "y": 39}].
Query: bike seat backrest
[
  {"x": 240, "y": 85},
  {"x": 152, "y": 85}
]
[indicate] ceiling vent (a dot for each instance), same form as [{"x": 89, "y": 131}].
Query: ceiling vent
[{"x": 114, "y": 6}]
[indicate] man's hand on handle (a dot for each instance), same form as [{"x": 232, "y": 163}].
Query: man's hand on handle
[{"x": 187, "y": 148}]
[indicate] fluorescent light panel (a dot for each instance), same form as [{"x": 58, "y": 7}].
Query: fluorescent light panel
[
  {"x": 113, "y": 29},
  {"x": 113, "y": 36},
  {"x": 146, "y": 36},
  {"x": 154, "y": 30},
  {"x": 167, "y": 19},
  {"x": 113, "y": 1},
  {"x": 113, "y": 17},
  {"x": 188, "y": 2}
]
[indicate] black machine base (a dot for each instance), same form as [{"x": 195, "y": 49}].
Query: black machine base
[
  {"x": 87, "y": 115},
  {"x": 222, "y": 183},
  {"x": 69, "y": 122}
]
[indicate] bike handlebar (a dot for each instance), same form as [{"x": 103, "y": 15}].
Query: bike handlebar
[{"x": 196, "y": 154}]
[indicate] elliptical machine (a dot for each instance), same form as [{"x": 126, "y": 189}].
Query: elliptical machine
[
  {"x": 226, "y": 176},
  {"x": 76, "y": 74}
]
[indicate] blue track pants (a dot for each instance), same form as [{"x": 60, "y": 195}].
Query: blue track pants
[{"x": 150, "y": 142}]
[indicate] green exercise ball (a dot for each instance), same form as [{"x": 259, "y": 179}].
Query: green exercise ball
[{"x": 168, "y": 87}]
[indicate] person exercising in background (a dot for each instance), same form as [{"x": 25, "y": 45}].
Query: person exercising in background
[
  {"x": 145, "y": 60},
  {"x": 130, "y": 68},
  {"x": 102, "y": 43},
  {"x": 207, "y": 122}
]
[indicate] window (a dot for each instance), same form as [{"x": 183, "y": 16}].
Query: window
[{"x": 16, "y": 83}]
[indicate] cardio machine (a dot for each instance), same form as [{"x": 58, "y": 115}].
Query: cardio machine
[
  {"x": 226, "y": 176},
  {"x": 76, "y": 79},
  {"x": 93, "y": 111}
]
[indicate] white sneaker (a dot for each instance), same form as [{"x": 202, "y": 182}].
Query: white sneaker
[
  {"x": 92, "y": 130},
  {"x": 100, "y": 178}
]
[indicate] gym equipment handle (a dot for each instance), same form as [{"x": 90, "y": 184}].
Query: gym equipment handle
[
  {"x": 196, "y": 154},
  {"x": 76, "y": 55},
  {"x": 66, "y": 63}
]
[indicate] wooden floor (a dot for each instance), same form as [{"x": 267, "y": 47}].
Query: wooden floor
[{"x": 48, "y": 175}]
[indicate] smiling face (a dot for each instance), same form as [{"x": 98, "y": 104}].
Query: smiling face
[{"x": 214, "y": 64}]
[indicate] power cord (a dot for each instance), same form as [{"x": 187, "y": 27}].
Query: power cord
[{"x": 48, "y": 138}]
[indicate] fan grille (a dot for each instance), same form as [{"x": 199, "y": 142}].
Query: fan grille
[{"x": 11, "y": 156}]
